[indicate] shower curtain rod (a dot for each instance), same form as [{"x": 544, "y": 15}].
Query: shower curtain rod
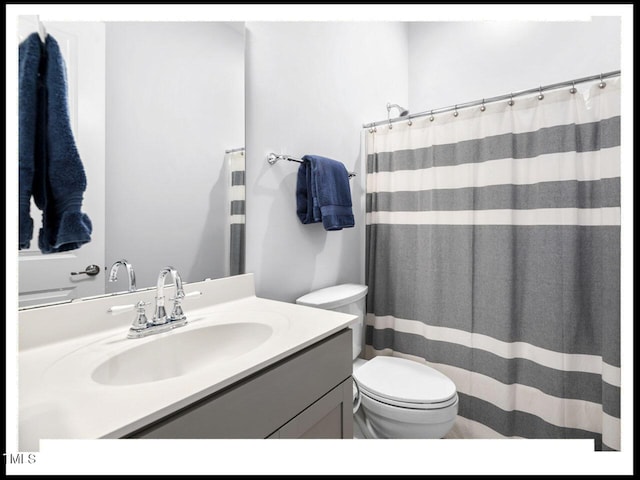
[{"x": 484, "y": 101}]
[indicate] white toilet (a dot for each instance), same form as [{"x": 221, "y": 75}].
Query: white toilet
[{"x": 393, "y": 397}]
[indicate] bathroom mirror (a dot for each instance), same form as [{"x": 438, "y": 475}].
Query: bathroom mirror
[{"x": 157, "y": 111}]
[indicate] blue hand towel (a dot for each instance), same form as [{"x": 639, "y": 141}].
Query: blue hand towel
[
  {"x": 323, "y": 193},
  {"x": 308, "y": 211},
  {"x": 53, "y": 173}
]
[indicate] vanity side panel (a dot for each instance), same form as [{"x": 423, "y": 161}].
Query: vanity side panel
[{"x": 260, "y": 405}]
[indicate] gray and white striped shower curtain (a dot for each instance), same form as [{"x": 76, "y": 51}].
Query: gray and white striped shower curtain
[{"x": 493, "y": 255}]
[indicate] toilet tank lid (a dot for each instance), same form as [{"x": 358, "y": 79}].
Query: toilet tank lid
[{"x": 332, "y": 297}]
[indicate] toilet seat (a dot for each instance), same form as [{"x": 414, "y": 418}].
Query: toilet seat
[{"x": 404, "y": 383}]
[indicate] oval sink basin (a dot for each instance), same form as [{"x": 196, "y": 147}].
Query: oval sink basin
[{"x": 181, "y": 352}]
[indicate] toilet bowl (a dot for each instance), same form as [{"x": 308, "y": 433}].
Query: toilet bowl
[
  {"x": 404, "y": 399},
  {"x": 393, "y": 397}
]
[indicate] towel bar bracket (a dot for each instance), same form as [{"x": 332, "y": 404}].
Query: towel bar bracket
[{"x": 272, "y": 158}]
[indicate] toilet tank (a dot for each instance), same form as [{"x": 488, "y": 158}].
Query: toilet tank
[{"x": 346, "y": 298}]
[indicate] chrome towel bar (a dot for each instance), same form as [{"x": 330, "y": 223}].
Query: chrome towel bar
[{"x": 272, "y": 158}]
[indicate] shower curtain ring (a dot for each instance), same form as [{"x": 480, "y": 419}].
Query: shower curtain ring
[
  {"x": 540, "y": 95},
  {"x": 573, "y": 90},
  {"x": 601, "y": 84},
  {"x": 455, "y": 111},
  {"x": 482, "y": 107},
  {"x": 511, "y": 102},
  {"x": 431, "y": 117}
]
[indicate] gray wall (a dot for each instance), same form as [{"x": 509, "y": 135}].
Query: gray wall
[
  {"x": 310, "y": 87},
  {"x": 458, "y": 62},
  {"x": 175, "y": 103}
]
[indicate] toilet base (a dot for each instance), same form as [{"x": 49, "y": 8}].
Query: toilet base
[
  {"x": 362, "y": 429},
  {"x": 383, "y": 428},
  {"x": 368, "y": 425},
  {"x": 359, "y": 428}
]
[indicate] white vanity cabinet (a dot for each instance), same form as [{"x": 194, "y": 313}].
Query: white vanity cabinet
[{"x": 305, "y": 395}]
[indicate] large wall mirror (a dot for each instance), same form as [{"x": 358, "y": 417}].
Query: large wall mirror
[{"x": 157, "y": 111}]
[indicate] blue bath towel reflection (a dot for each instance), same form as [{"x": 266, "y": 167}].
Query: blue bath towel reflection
[
  {"x": 50, "y": 167},
  {"x": 323, "y": 193}
]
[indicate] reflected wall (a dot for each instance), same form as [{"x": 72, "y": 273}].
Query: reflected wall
[{"x": 175, "y": 104}]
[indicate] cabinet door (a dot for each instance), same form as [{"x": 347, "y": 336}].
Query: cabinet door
[{"x": 330, "y": 417}]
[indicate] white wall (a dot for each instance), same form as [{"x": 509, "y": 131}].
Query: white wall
[
  {"x": 175, "y": 103},
  {"x": 458, "y": 62},
  {"x": 310, "y": 87}
]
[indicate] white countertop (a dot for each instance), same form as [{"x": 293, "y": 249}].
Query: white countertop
[{"x": 59, "y": 399}]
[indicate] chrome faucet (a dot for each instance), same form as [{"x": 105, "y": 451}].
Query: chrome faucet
[
  {"x": 141, "y": 327},
  {"x": 160, "y": 322},
  {"x": 160, "y": 317},
  {"x": 113, "y": 274}
]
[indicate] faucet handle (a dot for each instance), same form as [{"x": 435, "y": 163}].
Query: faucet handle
[
  {"x": 140, "y": 322},
  {"x": 117, "y": 309},
  {"x": 179, "y": 297},
  {"x": 177, "y": 313}
]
